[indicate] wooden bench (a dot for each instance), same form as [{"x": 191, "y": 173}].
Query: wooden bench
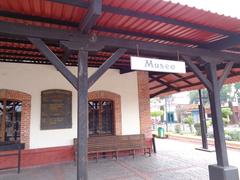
[
  {"x": 132, "y": 143},
  {"x": 114, "y": 144}
]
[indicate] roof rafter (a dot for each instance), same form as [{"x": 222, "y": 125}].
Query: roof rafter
[
  {"x": 159, "y": 76},
  {"x": 185, "y": 80},
  {"x": 164, "y": 83},
  {"x": 150, "y": 36},
  {"x": 166, "y": 90}
]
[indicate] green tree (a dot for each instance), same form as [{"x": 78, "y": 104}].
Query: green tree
[
  {"x": 156, "y": 114},
  {"x": 189, "y": 120},
  {"x": 225, "y": 93},
  {"x": 237, "y": 91},
  {"x": 229, "y": 93},
  {"x": 194, "y": 97}
]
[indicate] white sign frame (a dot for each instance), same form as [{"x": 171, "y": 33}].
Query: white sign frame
[{"x": 157, "y": 65}]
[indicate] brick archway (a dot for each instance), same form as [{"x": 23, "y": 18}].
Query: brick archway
[
  {"x": 117, "y": 106},
  {"x": 25, "y": 115}
]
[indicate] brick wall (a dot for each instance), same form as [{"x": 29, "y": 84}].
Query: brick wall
[
  {"x": 26, "y": 110},
  {"x": 117, "y": 106},
  {"x": 144, "y": 104}
]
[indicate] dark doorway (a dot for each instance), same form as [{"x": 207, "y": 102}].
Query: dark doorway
[
  {"x": 101, "y": 117},
  {"x": 10, "y": 120}
]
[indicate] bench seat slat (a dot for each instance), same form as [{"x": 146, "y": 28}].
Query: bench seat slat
[{"x": 115, "y": 144}]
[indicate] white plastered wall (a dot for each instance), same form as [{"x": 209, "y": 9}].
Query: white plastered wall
[{"x": 33, "y": 79}]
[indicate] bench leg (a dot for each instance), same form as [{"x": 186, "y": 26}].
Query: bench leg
[
  {"x": 129, "y": 153},
  {"x": 133, "y": 153},
  {"x": 114, "y": 155},
  {"x": 96, "y": 157},
  {"x": 19, "y": 160},
  {"x": 75, "y": 158},
  {"x": 147, "y": 152}
]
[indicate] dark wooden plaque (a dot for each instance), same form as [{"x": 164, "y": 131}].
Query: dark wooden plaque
[{"x": 56, "y": 109}]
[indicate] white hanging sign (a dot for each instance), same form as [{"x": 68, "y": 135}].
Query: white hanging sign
[{"x": 157, "y": 65}]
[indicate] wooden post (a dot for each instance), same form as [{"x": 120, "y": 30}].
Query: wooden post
[
  {"x": 218, "y": 127},
  {"x": 82, "y": 131},
  {"x": 202, "y": 122}
]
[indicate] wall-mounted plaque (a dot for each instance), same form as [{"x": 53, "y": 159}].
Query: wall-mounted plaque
[{"x": 56, "y": 109}]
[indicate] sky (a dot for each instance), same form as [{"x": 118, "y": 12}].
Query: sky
[{"x": 226, "y": 7}]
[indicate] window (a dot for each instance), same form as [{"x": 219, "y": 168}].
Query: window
[
  {"x": 10, "y": 120},
  {"x": 100, "y": 117}
]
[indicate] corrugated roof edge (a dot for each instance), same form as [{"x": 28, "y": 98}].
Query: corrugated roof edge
[{"x": 201, "y": 9}]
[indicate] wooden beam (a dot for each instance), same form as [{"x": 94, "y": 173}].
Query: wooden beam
[
  {"x": 105, "y": 66},
  {"x": 161, "y": 92},
  {"x": 203, "y": 123},
  {"x": 66, "y": 55},
  {"x": 160, "y": 48},
  {"x": 125, "y": 70},
  {"x": 159, "y": 76},
  {"x": 43, "y": 48},
  {"x": 35, "y": 18},
  {"x": 197, "y": 72},
  {"x": 13, "y": 29},
  {"x": 82, "y": 109},
  {"x": 164, "y": 83},
  {"x": 225, "y": 43},
  {"x": 226, "y": 72},
  {"x": 94, "y": 12},
  {"x": 182, "y": 78},
  {"x": 89, "y": 45}
]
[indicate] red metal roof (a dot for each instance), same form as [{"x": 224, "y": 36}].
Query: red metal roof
[
  {"x": 115, "y": 24},
  {"x": 47, "y": 9}
]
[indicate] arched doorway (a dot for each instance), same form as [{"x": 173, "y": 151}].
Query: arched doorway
[{"x": 105, "y": 112}]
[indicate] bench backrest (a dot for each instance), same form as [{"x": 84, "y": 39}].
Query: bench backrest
[{"x": 114, "y": 142}]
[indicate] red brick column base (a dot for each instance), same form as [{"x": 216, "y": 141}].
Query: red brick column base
[{"x": 144, "y": 104}]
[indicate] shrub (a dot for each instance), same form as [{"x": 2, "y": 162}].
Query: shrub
[
  {"x": 209, "y": 123},
  {"x": 197, "y": 126},
  {"x": 228, "y": 138},
  {"x": 235, "y": 135},
  {"x": 226, "y": 121},
  {"x": 226, "y": 112},
  {"x": 178, "y": 128},
  {"x": 210, "y": 135}
]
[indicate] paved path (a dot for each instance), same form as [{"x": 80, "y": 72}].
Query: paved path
[{"x": 174, "y": 161}]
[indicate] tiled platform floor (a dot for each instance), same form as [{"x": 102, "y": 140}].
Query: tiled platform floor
[{"x": 174, "y": 161}]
